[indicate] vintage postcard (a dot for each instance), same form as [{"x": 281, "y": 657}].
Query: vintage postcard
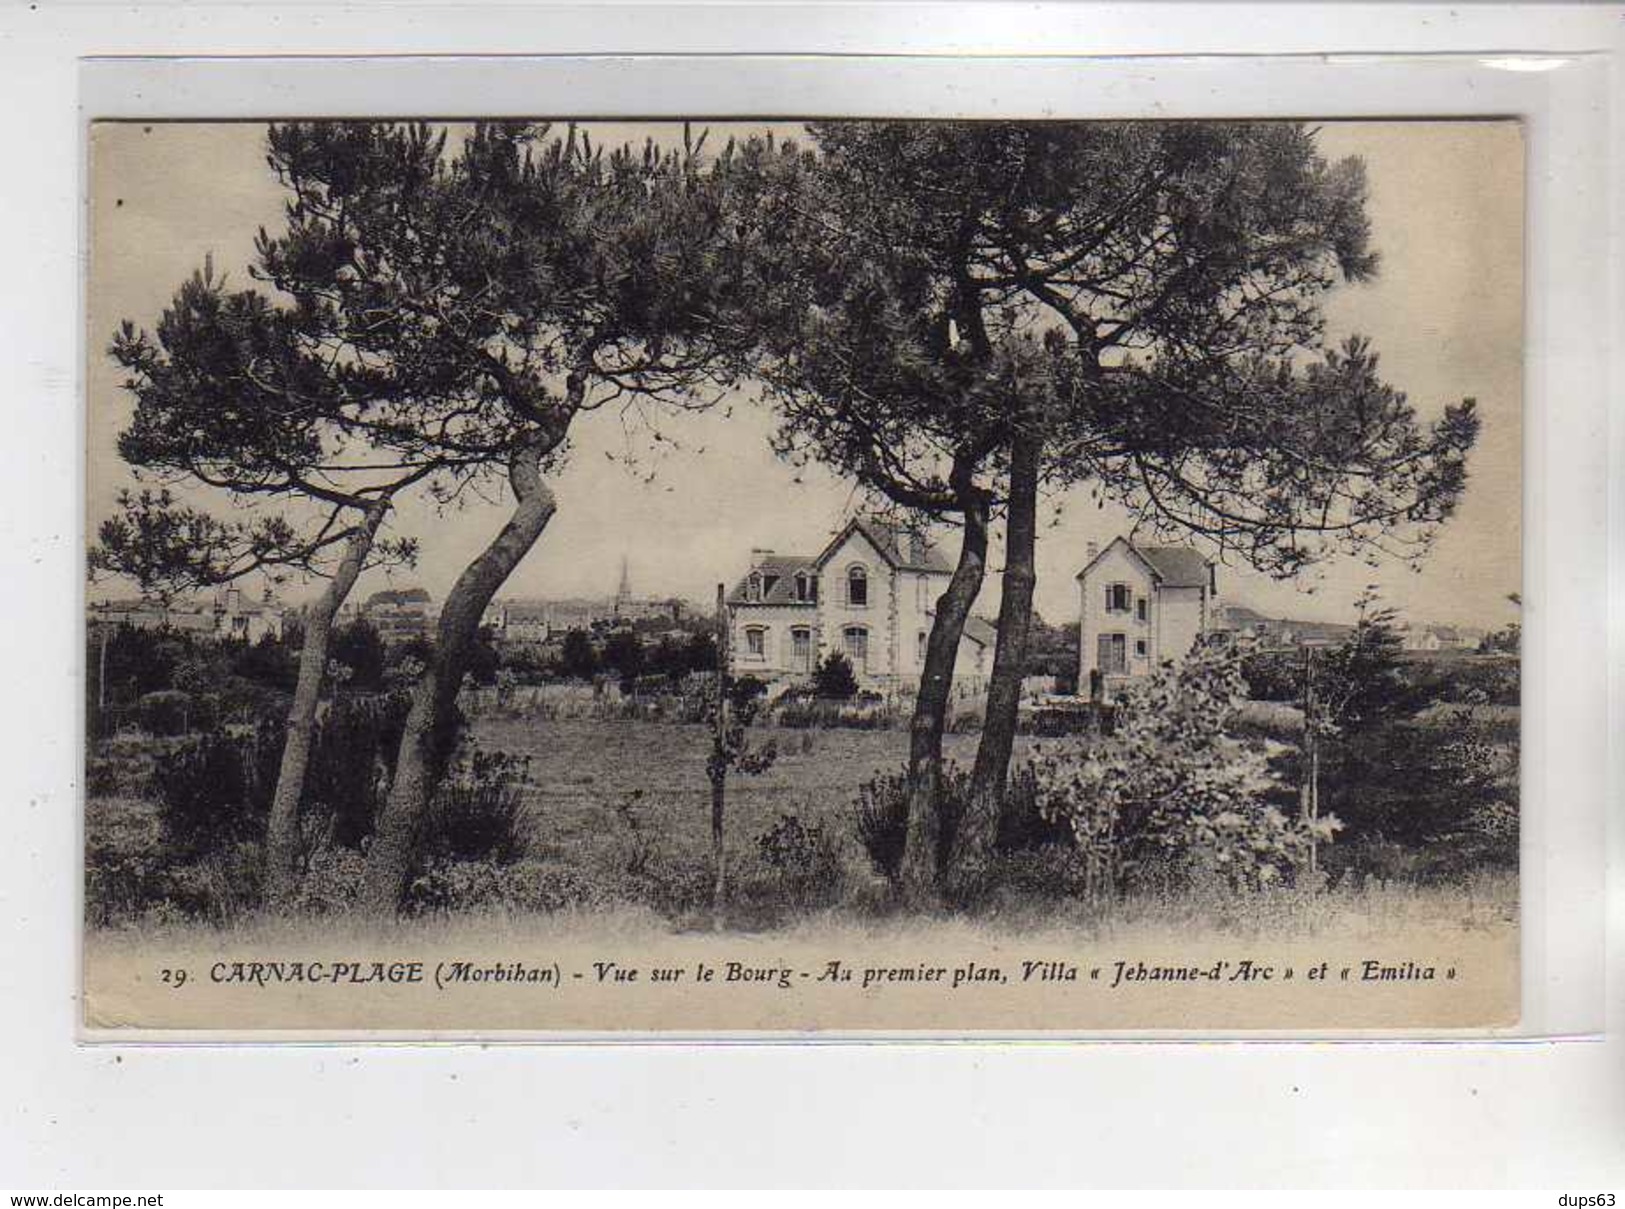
[{"x": 827, "y": 577}]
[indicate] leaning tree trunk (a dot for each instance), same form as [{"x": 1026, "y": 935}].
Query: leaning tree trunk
[
  {"x": 922, "y": 847},
  {"x": 282, "y": 828},
  {"x": 426, "y": 739},
  {"x": 979, "y": 828}
]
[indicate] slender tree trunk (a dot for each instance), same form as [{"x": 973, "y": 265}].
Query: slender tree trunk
[
  {"x": 979, "y": 829},
  {"x": 921, "y": 849},
  {"x": 427, "y": 737},
  {"x": 282, "y": 828}
]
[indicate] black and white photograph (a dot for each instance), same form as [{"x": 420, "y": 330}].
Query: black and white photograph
[{"x": 828, "y": 576}]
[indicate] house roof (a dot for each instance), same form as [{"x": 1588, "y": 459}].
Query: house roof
[
  {"x": 981, "y": 631},
  {"x": 1178, "y": 566},
  {"x": 888, "y": 540},
  {"x": 783, "y": 591},
  {"x": 1174, "y": 566}
]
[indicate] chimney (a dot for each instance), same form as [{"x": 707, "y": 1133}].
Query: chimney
[{"x": 1091, "y": 552}]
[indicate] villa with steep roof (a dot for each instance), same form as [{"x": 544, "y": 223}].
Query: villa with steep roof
[
  {"x": 1140, "y": 606},
  {"x": 871, "y": 594}
]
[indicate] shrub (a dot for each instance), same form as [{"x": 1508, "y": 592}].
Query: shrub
[
  {"x": 332, "y": 881},
  {"x": 214, "y": 791},
  {"x": 806, "y": 860},
  {"x": 1085, "y": 718},
  {"x": 222, "y": 886},
  {"x": 351, "y": 756},
  {"x": 809, "y": 715},
  {"x": 881, "y": 820},
  {"x": 1273, "y": 676},
  {"x": 478, "y": 813},
  {"x": 1022, "y": 825},
  {"x": 833, "y": 679},
  {"x": 1421, "y": 783},
  {"x": 165, "y": 712},
  {"x": 1170, "y": 787},
  {"x": 359, "y": 647},
  {"x": 121, "y": 885}
]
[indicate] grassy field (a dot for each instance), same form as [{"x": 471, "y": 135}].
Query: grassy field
[{"x": 586, "y": 773}]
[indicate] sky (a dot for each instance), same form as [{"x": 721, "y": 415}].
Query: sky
[{"x": 1445, "y": 313}]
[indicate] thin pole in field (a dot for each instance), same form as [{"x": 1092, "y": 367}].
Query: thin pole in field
[{"x": 719, "y": 765}]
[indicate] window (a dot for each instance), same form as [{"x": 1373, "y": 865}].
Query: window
[
  {"x": 922, "y": 593},
  {"x": 919, "y": 648},
  {"x": 857, "y": 587},
  {"x": 801, "y": 649},
  {"x": 856, "y": 641},
  {"x": 753, "y": 589},
  {"x": 1112, "y": 654},
  {"x": 1118, "y": 597},
  {"x": 1139, "y": 648},
  {"x": 1142, "y": 608},
  {"x": 756, "y": 642},
  {"x": 804, "y": 586}
]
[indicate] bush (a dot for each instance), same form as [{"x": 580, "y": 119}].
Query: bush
[
  {"x": 222, "y": 886},
  {"x": 351, "y": 757},
  {"x": 1022, "y": 825},
  {"x": 808, "y": 715},
  {"x": 359, "y": 647},
  {"x": 1170, "y": 787},
  {"x": 165, "y": 712},
  {"x": 881, "y": 820},
  {"x": 834, "y": 680},
  {"x": 215, "y": 791},
  {"x": 120, "y": 884},
  {"x": 1086, "y": 718},
  {"x": 1273, "y": 676},
  {"x": 332, "y": 881},
  {"x": 805, "y": 859},
  {"x": 478, "y": 813},
  {"x": 1421, "y": 784}
]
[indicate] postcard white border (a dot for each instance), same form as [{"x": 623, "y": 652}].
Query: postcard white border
[{"x": 663, "y": 1112}]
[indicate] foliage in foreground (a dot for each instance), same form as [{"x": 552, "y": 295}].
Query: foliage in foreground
[{"x": 1170, "y": 790}]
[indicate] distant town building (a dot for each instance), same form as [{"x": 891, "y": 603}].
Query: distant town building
[
  {"x": 226, "y": 614},
  {"x": 1440, "y": 637},
  {"x": 400, "y": 614},
  {"x": 538, "y": 621},
  {"x": 1251, "y": 630}
]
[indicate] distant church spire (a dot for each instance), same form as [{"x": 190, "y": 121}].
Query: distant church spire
[{"x": 624, "y": 592}]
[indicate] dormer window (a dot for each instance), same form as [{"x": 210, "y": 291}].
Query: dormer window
[
  {"x": 857, "y": 587},
  {"x": 804, "y": 586},
  {"x": 753, "y": 587}
]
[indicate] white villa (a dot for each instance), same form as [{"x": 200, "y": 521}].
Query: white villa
[
  {"x": 871, "y": 594},
  {"x": 1139, "y": 607}
]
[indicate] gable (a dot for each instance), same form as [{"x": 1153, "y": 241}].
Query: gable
[
  {"x": 1119, "y": 562},
  {"x": 852, "y": 544},
  {"x": 882, "y": 542}
]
